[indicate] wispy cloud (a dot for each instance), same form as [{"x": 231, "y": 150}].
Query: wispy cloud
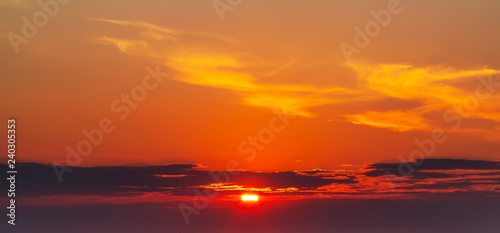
[
  {"x": 395, "y": 120},
  {"x": 223, "y": 69},
  {"x": 432, "y": 86},
  {"x": 122, "y": 44},
  {"x": 210, "y": 63},
  {"x": 150, "y": 31}
]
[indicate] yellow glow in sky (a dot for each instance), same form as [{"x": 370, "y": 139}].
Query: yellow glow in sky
[{"x": 249, "y": 197}]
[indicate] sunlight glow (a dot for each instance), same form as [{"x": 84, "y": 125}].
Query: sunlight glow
[{"x": 249, "y": 197}]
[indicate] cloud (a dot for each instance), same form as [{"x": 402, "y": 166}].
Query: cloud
[
  {"x": 441, "y": 176},
  {"x": 204, "y": 59},
  {"x": 396, "y": 120},
  {"x": 441, "y": 164},
  {"x": 151, "y": 183},
  {"x": 434, "y": 87},
  {"x": 175, "y": 179},
  {"x": 122, "y": 44},
  {"x": 150, "y": 31}
]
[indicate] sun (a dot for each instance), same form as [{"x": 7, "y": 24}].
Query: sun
[{"x": 249, "y": 197}]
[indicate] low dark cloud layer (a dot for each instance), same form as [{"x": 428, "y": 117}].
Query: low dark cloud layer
[
  {"x": 431, "y": 176},
  {"x": 441, "y": 164},
  {"x": 178, "y": 179},
  {"x": 425, "y": 168}
]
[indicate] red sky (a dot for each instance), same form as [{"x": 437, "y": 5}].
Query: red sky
[
  {"x": 304, "y": 97},
  {"x": 227, "y": 76}
]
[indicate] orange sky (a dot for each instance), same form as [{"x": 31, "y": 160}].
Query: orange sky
[{"x": 226, "y": 77}]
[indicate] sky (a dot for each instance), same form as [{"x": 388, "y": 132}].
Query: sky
[{"x": 143, "y": 102}]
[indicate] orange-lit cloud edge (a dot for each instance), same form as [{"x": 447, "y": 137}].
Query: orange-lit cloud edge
[
  {"x": 438, "y": 89},
  {"x": 175, "y": 183}
]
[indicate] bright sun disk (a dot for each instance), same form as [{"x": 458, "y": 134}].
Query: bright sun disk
[{"x": 249, "y": 197}]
